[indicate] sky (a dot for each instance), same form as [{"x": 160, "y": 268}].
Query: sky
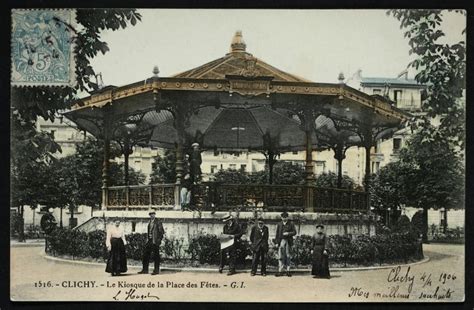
[{"x": 314, "y": 44}]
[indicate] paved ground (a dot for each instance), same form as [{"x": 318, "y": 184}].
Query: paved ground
[{"x": 35, "y": 278}]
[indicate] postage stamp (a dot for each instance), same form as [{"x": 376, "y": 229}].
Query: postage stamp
[{"x": 42, "y": 47}]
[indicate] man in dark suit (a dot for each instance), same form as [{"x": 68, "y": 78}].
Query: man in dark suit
[
  {"x": 284, "y": 240},
  {"x": 232, "y": 228},
  {"x": 259, "y": 246},
  {"x": 155, "y": 233}
]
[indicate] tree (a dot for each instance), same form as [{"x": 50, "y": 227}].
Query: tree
[
  {"x": 390, "y": 185},
  {"x": 429, "y": 174},
  {"x": 29, "y": 172},
  {"x": 284, "y": 173},
  {"x": 436, "y": 151},
  {"x": 31, "y": 150},
  {"x": 329, "y": 179},
  {"x": 442, "y": 68},
  {"x": 232, "y": 176},
  {"x": 438, "y": 177},
  {"x": 164, "y": 168},
  {"x": 288, "y": 173},
  {"x": 82, "y": 173}
]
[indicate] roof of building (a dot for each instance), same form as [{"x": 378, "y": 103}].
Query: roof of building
[
  {"x": 391, "y": 81},
  {"x": 239, "y": 62}
]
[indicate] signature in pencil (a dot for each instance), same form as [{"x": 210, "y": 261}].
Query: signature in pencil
[{"x": 132, "y": 294}]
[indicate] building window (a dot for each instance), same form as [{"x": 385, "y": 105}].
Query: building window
[
  {"x": 397, "y": 95},
  {"x": 243, "y": 167},
  {"x": 52, "y": 133},
  {"x": 377, "y": 91},
  {"x": 320, "y": 166},
  {"x": 233, "y": 166},
  {"x": 213, "y": 168},
  {"x": 397, "y": 143},
  {"x": 375, "y": 167},
  {"x": 295, "y": 152},
  {"x": 134, "y": 225},
  {"x": 442, "y": 218}
]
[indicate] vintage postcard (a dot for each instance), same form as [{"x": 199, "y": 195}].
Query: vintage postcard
[{"x": 237, "y": 155}]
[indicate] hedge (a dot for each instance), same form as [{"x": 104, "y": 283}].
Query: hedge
[{"x": 387, "y": 247}]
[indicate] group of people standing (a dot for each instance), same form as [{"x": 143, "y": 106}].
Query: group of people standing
[
  {"x": 115, "y": 242},
  {"x": 259, "y": 243}
]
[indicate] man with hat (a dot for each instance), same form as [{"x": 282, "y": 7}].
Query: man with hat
[
  {"x": 195, "y": 163},
  {"x": 233, "y": 229},
  {"x": 284, "y": 240},
  {"x": 155, "y": 234},
  {"x": 259, "y": 246}
]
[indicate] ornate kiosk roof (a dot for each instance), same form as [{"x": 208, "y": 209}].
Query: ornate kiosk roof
[
  {"x": 234, "y": 91},
  {"x": 238, "y": 62}
]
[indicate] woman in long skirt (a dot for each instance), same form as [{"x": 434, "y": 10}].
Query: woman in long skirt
[
  {"x": 320, "y": 255},
  {"x": 117, "y": 262}
]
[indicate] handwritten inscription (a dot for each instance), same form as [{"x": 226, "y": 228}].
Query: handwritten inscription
[
  {"x": 396, "y": 275},
  {"x": 133, "y": 294},
  {"x": 403, "y": 284}
]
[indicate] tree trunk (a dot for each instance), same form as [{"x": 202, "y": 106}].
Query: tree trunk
[
  {"x": 339, "y": 173},
  {"x": 71, "y": 219},
  {"x": 425, "y": 226},
  {"x": 271, "y": 163},
  {"x": 21, "y": 226},
  {"x": 61, "y": 217},
  {"x": 445, "y": 222},
  {"x": 126, "y": 155}
]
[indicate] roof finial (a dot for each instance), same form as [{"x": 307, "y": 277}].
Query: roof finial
[
  {"x": 155, "y": 71},
  {"x": 237, "y": 44},
  {"x": 341, "y": 78}
]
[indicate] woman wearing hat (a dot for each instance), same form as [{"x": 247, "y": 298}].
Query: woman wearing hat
[
  {"x": 115, "y": 243},
  {"x": 320, "y": 255}
]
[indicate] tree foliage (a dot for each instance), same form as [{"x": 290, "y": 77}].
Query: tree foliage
[
  {"x": 164, "y": 168},
  {"x": 81, "y": 173},
  {"x": 437, "y": 176},
  {"x": 288, "y": 173},
  {"x": 442, "y": 68},
  {"x": 429, "y": 174},
  {"x": 329, "y": 179},
  {"x": 33, "y": 178},
  {"x": 232, "y": 176},
  {"x": 283, "y": 173},
  {"x": 390, "y": 185}
]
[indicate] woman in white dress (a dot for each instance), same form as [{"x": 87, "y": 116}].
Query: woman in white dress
[{"x": 115, "y": 242}]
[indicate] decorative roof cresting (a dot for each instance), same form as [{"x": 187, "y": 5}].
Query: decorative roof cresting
[{"x": 237, "y": 44}]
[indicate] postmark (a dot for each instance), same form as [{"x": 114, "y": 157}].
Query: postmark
[{"x": 42, "y": 47}]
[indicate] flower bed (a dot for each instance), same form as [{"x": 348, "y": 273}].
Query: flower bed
[{"x": 387, "y": 247}]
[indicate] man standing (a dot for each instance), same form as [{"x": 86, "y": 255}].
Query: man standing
[
  {"x": 284, "y": 240},
  {"x": 186, "y": 193},
  {"x": 259, "y": 240},
  {"x": 195, "y": 163},
  {"x": 155, "y": 235},
  {"x": 231, "y": 228}
]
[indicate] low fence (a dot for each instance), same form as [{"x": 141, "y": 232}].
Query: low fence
[{"x": 213, "y": 196}]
